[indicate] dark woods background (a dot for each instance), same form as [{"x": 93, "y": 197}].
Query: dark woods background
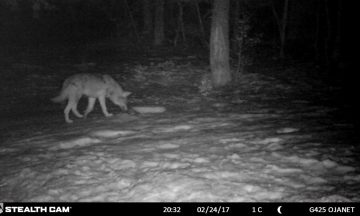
[{"x": 319, "y": 31}]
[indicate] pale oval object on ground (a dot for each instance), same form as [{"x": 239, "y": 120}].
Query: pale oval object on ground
[{"x": 149, "y": 109}]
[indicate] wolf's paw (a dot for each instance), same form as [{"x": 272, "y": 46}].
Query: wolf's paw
[
  {"x": 86, "y": 115},
  {"x": 80, "y": 116},
  {"x": 108, "y": 115},
  {"x": 69, "y": 121}
]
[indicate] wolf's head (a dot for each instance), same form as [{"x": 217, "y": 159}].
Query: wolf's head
[{"x": 120, "y": 98}]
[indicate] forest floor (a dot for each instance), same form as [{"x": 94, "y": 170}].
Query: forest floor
[{"x": 280, "y": 133}]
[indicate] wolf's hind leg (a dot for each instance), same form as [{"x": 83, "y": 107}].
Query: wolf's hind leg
[
  {"x": 74, "y": 109},
  {"x": 67, "y": 111}
]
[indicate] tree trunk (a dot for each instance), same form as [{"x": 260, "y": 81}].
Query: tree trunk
[
  {"x": 317, "y": 33},
  {"x": 283, "y": 29},
  {"x": 337, "y": 43},
  {"x": 159, "y": 35},
  {"x": 281, "y": 26},
  {"x": 180, "y": 22},
  {"x": 219, "y": 44},
  {"x": 328, "y": 34},
  {"x": 147, "y": 18},
  {"x": 201, "y": 24},
  {"x": 132, "y": 20}
]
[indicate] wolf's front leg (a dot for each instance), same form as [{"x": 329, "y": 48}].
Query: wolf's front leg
[{"x": 103, "y": 106}]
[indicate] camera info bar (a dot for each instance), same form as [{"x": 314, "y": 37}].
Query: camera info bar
[{"x": 180, "y": 208}]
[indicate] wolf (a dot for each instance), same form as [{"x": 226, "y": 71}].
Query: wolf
[{"x": 94, "y": 86}]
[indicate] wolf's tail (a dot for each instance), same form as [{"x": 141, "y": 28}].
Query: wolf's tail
[
  {"x": 64, "y": 94},
  {"x": 61, "y": 97}
]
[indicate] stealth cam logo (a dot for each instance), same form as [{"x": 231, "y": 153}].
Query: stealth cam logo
[{"x": 1, "y": 208}]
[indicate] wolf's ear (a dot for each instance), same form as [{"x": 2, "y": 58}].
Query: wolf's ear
[{"x": 126, "y": 93}]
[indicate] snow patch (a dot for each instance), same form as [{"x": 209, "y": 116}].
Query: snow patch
[
  {"x": 234, "y": 157},
  {"x": 61, "y": 172},
  {"x": 313, "y": 179},
  {"x": 168, "y": 146},
  {"x": 201, "y": 160},
  {"x": 269, "y": 141},
  {"x": 236, "y": 145},
  {"x": 287, "y": 130},
  {"x": 345, "y": 169},
  {"x": 304, "y": 161},
  {"x": 111, "y": 133},
  {"x": 229, "y": 140},
  {"x": 222, "y": 175},
  {"x": 335, "y": 198},
  {"x": 275, "y": 168},
  {"x": 174, "y": 165},
  {"x": 175, "y": 129},
  {"x": 119, "y": 164},
  {"x": 262, "y": 193},
  {"x": 149, "y": 109},
  {"x": 79, "y": 142},
  {"x": 7, "y": 150},
  {"x": 148, "y": 164},
  {"x": 329, "y": 164},
  {"x": 355, "y": 178},
  {"x": 172, "y": 156}
]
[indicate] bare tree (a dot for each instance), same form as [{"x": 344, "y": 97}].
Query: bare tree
[
  {"x": 219, "y": 44},
  {"x": 180, "y": 22},
  {"x": 317, "y": 32},
  {"x": 147, "y": 17},
  {"x": 337, "y": 46},
  {"x": 282, "y": 23},
  {"x": 201, "y": 24},
  {"x": 159, "y": 35},
  {"x": 132, "y": 20}
]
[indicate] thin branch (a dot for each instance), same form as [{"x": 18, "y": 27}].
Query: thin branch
[
  {"x": 132, "y": 20},
  {"x": 202, "y": 29}
]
